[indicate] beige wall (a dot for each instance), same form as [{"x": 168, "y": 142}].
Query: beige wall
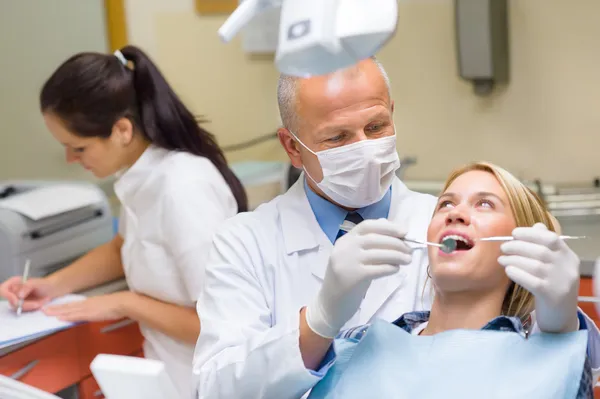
[
  {"x": 202, "y": 69},
  {"x": 35, "y": 37},
  {"x": 544, "y": 124}
]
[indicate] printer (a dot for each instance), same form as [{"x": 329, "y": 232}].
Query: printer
[{"x": 51, "y": 224}]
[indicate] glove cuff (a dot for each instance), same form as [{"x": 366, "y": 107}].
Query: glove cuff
[{"x": 316, "y": 321}]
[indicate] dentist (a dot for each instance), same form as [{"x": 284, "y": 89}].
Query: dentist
[{"x": 273, "y": 298}]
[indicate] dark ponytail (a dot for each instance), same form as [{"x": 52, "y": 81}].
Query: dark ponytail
[{"x": 90, "y": 92}]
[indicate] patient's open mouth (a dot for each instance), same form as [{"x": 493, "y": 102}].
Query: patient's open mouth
[{"x": 462, "y": 243}]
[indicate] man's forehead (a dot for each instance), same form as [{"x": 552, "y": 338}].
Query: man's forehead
[{"x": 320, "y": 96}]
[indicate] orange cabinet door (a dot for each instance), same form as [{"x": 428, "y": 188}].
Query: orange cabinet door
[
  {"x": 50, "y": 364},
  {"x": 586, "y": 289},
  {"x": 121, "y": 337}
]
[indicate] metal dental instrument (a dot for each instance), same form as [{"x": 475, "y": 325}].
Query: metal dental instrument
[
  {"x": 510, "y": 238},
  {"x": 450, "y": 244},
  {"x": 447, "y": 248},
  {"x": 588, "y": 299},
  {"x": 443, "y": 246}
]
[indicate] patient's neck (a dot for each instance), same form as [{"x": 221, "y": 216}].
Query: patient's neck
[{"x": 465, "y": 310}]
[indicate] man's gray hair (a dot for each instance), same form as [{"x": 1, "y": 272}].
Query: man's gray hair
[{"x": 286, "y": 96}]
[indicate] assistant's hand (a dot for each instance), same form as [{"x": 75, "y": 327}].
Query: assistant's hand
[
  {"x": 539, "y": 261},
  {"x": 36, "y": 292},
  {"x": 373, "y": 249},
  {"x": 99, "y": 308}
]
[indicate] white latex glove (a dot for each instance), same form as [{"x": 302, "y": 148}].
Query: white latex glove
[
  {"x": 539, "y": 261},
  {"x": 371, "y": 250}
]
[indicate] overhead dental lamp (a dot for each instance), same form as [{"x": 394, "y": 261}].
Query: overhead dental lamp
[{"x": 317, "y": 37}]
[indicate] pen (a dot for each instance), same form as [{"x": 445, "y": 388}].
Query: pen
[{"x": 23, "y": 281}]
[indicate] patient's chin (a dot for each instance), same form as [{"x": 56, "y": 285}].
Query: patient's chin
[
  {"x": 453, "y": 276},
  {"x": 451, "y": 266}
]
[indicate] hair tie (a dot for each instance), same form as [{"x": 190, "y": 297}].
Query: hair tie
[{"x": 120, "y": 57}]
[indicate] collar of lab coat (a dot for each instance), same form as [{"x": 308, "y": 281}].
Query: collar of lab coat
[
  {"x": 132, "y": 178},
  {"x": 298, "y": 222},
  {"x": 330, "y": 216}
]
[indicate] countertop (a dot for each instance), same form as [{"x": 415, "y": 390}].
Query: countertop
[{"x": 114, "y": 286}]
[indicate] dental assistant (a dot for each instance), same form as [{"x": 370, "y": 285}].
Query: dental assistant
[
  {"x": 271, "y": 304},
  {"x": 116, "y": 114}
]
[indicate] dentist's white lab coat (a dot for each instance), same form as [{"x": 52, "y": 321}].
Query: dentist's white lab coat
[
  {"x": 171, "y": 204},
  {"x": 264, "y": 267}
]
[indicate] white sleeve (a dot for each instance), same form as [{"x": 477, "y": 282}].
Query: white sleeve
[
  {"x": 240, "y": 354},
  {"x": 191, "y": 214}
]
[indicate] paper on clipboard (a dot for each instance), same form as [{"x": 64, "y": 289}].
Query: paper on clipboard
[
  {"x": 51, "y": 200},
  {"x": 30, "y": 325}
]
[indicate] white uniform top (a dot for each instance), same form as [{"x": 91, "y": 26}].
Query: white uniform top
[
  {"x": 172, "y": 203},
  {"x": 264, "y": 267}
]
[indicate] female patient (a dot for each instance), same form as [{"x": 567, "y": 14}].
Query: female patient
[{"x": 473, "y": 290}]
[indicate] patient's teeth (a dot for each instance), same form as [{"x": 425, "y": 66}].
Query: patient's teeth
[{"x": 457, "y": 238}]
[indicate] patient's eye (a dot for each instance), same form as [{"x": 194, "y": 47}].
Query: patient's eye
[
  {"x": 444, "y": 204},
  {"x": 485, "y": 203}
]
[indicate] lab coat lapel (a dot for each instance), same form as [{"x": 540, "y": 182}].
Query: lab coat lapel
[
  {"x": 302, "y": 234},
  {"x": 381, "y": 289}
]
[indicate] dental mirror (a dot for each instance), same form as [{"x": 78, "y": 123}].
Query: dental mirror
[{"x": 449, "y": 245}]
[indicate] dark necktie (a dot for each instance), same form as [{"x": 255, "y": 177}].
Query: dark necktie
[{"x": 352, "y": 217}]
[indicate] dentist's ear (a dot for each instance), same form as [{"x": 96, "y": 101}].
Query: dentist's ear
[
  {"x": 122, "y": 132},
  {"x": 290, "y": 146}
]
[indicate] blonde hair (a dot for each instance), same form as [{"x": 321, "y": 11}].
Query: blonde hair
[{"x": 527, "y": 209}]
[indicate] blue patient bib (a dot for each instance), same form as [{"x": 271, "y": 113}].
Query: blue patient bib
[{"x": 388, "y": 362}]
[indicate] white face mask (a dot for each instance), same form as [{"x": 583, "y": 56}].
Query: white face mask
[{"x": 358, "y": 174}]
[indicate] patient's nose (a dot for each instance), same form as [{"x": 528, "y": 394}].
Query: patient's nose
[{"x": 458, "y": 216}]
